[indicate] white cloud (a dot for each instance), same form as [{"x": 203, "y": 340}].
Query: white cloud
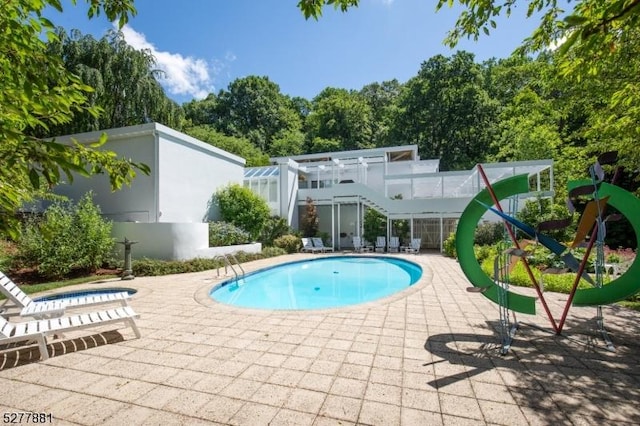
[{"x": 182, "y": 75}]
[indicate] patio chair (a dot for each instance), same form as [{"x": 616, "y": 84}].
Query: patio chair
[
  {"x": 29, "y": 307},
  {"x": 357, "y": 244},
  {"x": 394, "y": 244},
  {"x": 381, "y": 244},
  {"x": 317, "y": 242},
  {"x": 415, "y": 246},
  {"x": 307, "y": 247},
  {"x": 38, "y": 330}
]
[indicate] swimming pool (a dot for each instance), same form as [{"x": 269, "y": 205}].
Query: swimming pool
[
  {"x": 82, "y": 293},
  {"x": 319, "y": 283}
]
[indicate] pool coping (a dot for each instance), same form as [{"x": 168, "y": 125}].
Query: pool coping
[{"x": 202, "y": 294}]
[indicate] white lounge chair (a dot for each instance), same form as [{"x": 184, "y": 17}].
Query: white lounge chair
[
  {"x": 38, "y": 330},
  {"x": 317, "y": 242},
  {"x": 357, "y": 244},
  {"x": 415, "y": 246},
  {"x": 381, "y": 244},
  {"x": 29, "y": 307},
  {"x": 307, "y": 247},
  {"x": 394, "y": 244}
]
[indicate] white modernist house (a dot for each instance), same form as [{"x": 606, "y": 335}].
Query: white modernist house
[
  {"x": 393, "y": 181},
  {"x": 166, "y": 211}
]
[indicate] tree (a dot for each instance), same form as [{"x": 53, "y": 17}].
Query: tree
[
  {"x": 204, "y": 111},
  {"x": 593, "y": 26},
  {"x": 254, "y": 108},
  {"x": 287, "y": 143},
  {"x": 374, "y": 225},
  {"x": 38, "y": 92},
  {"x": 382, "y": 99},
  {"x": 241, "y": 207},
  {"x": 309, "y": 223},
  {"x": 595, "y": 38},
  {"x": 340, "y": 115},
  {"x": 238, "y": 146},
  {"x": 124, "y": 82},
  {"x": 446, "y": 111},
  {"x": 528, "y": 129}
]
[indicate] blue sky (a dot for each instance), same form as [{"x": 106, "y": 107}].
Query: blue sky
[{"x": 203, "y": 45}]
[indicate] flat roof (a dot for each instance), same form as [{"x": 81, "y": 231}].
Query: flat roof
[
  {"x": 147, "y": 129},
  {"x": 408, "y": 152}
]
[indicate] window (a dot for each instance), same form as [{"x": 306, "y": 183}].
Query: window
[{"x": 273, "y": 190}]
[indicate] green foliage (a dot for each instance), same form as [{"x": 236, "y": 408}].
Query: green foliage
[
  {"x": 452, "y": 91},
  {"x": 241, "y": 207},
  {"x": 290, "y": 243},
  {"x": 374, "y": 225},
  {"x": 154, "y": 267},
  {"x": 485, "y": 252},
  {"x": 324, "y": 145},
  {"x": 576, "y": 99},
  {"x": 226, "y": 234},
  {"x": 273, "y": 251},
  {"x": 235, "y": 145},
  {"x": 254, "y": 108},
  {"x": 449, "y": 246},
  {"x": 287, "y": 143},
  {"x": 8, "y": 253},
  {"x": 382, "y": 99},
  {"x": 313, "y": 8},
  {"x": 124, "y": 82},
  {"x": 38, "y": 92},
  {"x": 340, "y": 115},
  {"x": 543, "y": 209},
  {"x": 68, "y": 238},
  {"x": 559, "y": 283},
  {"x": 488, "y": 233},
  {"x": 273, "y": 228},
  {"x": 309, "y": 222}
]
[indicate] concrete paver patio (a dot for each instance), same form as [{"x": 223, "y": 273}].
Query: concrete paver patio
[{"x": 426, "y": 356}]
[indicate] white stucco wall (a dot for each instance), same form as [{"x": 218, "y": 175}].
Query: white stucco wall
[
  {"x": 190, "y": 172},
  {"x": 185, "y": 172},
  {"x": 172, "y": 241},
  {"x": 375, "y": 173},
  {"x": 131, "y": 203}
]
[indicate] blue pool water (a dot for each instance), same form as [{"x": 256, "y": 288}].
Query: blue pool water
[
  {"x": 81, "y": 293},
  {"x": 319, "y": 283}
]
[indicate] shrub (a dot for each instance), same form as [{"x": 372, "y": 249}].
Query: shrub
[
  {"x": 449, "y": 246},
  {"x": 485, "y": 252},
  {"x": 226, "y": 234},
  {"x": 273, "y": 251},
  {"x": 154, "y": 267},
  {"x": 67, "y": 238},
  {"x": 488, "y": 233},
  {"x": 541, "y": 210},
  {"x": 8, "y": 255},
  {"x": 309, "y": 223},
  {"x": 325, "y": 237},
  {"x": 560, "y": 283},
  {"x": 290, "y": 243},
  {"x": 374, "y": 225},
  {"x": 275, "y": 227},
  {"x": 241, "y": 207}
]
